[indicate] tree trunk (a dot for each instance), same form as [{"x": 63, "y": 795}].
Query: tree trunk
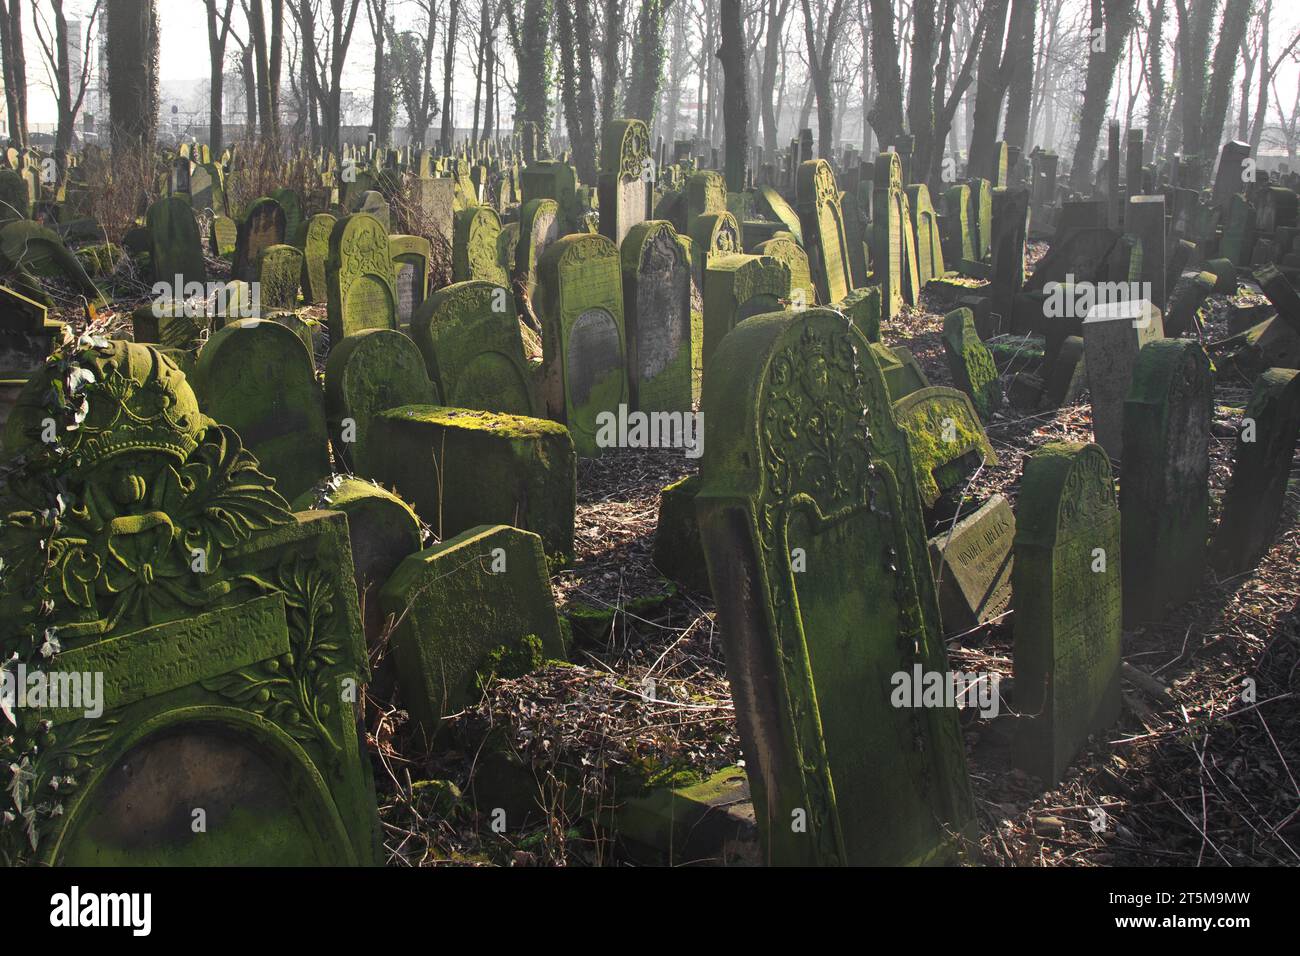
[
  {"x": 15, "y": 70},
  {"x": 132, "y": 38},
  {"x": 735, "y": 78},
  {"x": 1111, "y": 21},
  {"x": 886, "y": 115},
  {"x": 1235, "y": 16},
  {"x": 1020, "y": 59}
]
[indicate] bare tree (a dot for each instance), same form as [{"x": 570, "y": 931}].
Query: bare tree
[
  {"x": 324, "y": 56},
  {"x": 1111, "y": 22},
  {"x": 218, "y": 34},
  {"x": 819, "y": 69},
  {"x": 735, "y": 79},
  {"x": 69, "y": 88}
]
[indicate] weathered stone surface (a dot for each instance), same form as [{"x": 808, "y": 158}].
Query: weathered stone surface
[
  {"x": 226, "y": 635},
  {"x": 175, "y": 248},
  {"x": 737, "y": 287},
  {"x": 263, "y": 225},
  {"x": 1164, "y": 485},
  {"x": 806, "y": 467},
  {"x": 822, "y": 222},
  {"x": 581, "y": 307},
  {"x": 1112, "y": 337},
  {"x": 626, "y": 177},
  {"x": 539, "y": 226},
  {"x": 656, "y": 268},
  {"x": 474, "y": 255},
  {"x": 1068, "y": 377},
  {"x": 972, "y": 566},
  {"x": 1261, "y": 468},
  {"x": 677, "y": 549},
  {"x": 473, "y": 350},
  {"x": 970, "y": 362},
  {"x": 257, "y": 377},
  {"x": 367, "y": 374},
  {"x": 359, "y": 278},
  {"x": 903, "y": 375},
  {"x": 279, "y": 270},
  {"x": 945, "y": 439},
  {"x": 410, "y": 274},
  {"x": 460, "y": 468},
  {"x": 1067, "y": 585},
  {"x": 472, "y": 607}
]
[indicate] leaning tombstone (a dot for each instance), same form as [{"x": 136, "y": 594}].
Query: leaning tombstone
[
  {"x": 945, "y": 437},
  {"x": 817, "y": 566},
  {"x": 737, "y": 287},
  {"x": 1164, "y": 486},
  {"x": 822, "y": 222},
  {"x": 258, "y": 377},
  {"x": 538, "y": 228},
  {"x": 473, "y": 607},
  {"x": 1261, "y": 469},
  {"x": 316, "y": 250},
  {"x": 1068, "y": 595},
  {"x": 224, "y": 629},
  {"x": 972, "y": 565},
  {"x": 971, "y": 363}
]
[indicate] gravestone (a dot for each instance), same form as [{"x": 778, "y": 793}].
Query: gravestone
[
  {"x": 1185, "y": 301},
  {"x": 550, "y": 179},
  {"x": 1068, "y": 377},
  {"x": 972, "y": 565},
  {"x": 279, "y": 269},
  {"x": 175, "y": 247},
  {"x": 223, "y": 237},
  {"x": 263, "y": 225},
  {"x": 581, "y": 308},
  {"x": 410, "y": 274},
  {"x": 971, "y": 363},
  {"x": 737, "y": 287},
  {"x": 957, "y": 236},
  {"x": 460, "y": 467},
  {"x": 538, "y": 228},
  {"x": 822, "y": 222},
  {"x": 815, "y": 549},
  {"x": 224, "y": 627},
  {"x": 925, "y": 228},
  {"x": 787, "y": 250},
  {"x": 359, "y": 278},
  {"x": 258, "y": 377},
  {"x": 1010, "y": 230},
  {"x": 466, "y": 609},
  {"x": 473, "y": 350},
  {"x": 656, "y": 268},
  {"x": 1112, "y": 337},
  {"x": 369, "y": 373},
  {"x": 316, "y": 251},
  {"x": 1265, "y": 452},
  {"x": 1145, "y": 219},
  {"x": 474, "y": 255},
  {"x": 980, "y": 217},
  {"x": 372, "y": 203},
  {"x": 1164, "y": 486},
  {"x": 712, "y": 234},
  {"x": 626, "y": 177},
  {"x": 945, "y": 438},
  {"x": 1068, "y": 590}
]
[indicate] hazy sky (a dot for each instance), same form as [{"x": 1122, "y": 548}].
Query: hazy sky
[{"x": 184, "y": 53}]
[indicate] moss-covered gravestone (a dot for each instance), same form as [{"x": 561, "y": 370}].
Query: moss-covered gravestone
[
  {"x": 737, "y": 287},
  {"x": 538, "y": 227},
  {"x": 583, "y": 342},
  {"x": 410, "y": 274},
  {"x": 677, "y": 549},
  {"x": 14, "y": 203},
  {"x": 971, "y": 363},
  {"x": 957, "y": 237},
  {"x": 1068, "y": 595},
  {"x": 263, "y": 225},
  {"x": 945, "y": 437},
  {"x": 972, "y": 566},
  {"x": 816, "y": 552},
  {"x": 626, "y": 176},
  {"x": 712, "y": 234},
  {"x": 224, "y": 628},
  {"x": 279, "y": 269},
  {"x": 1266, "y": 443},
  {"x": 473, "y": 349},
  {"x": 382, "y": 530},
  {"x": 893, "y": 245},
  {"x": 980, "y": 217},
  {"x": 292, "y": 205},
  {"x": 460, "y": 468},
  {"x": 656, "y": 267},
  {"x": 359, "y": 278},
  {"x": 903, "y": 373},
  {"x": 175, "y": 247},
  {"x": 706, "y": 194},
  {"x": 784, "y": 248},
  {"x": 372, "y": 203},
  {"x": 223, "y": 236},
  {"x": 28, "y": 247},
  {"x": 474, "y": 255},
  {"x": 1164, "y": 485},
  {"x": 369, "y": 373},
  {"x": 473, "y": 607},
  {"x": 315, "y": 251},
  {"x": 774, "y": 203},
  {"x": 258, "y": 377},
  {"x": 550, "y": 179},
  {"x": 822, "y": 222},
  {"x": 1068, "y": 377}
]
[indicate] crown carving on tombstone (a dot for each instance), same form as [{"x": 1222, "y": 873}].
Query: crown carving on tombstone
[{"x": 121, "y": 398}]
